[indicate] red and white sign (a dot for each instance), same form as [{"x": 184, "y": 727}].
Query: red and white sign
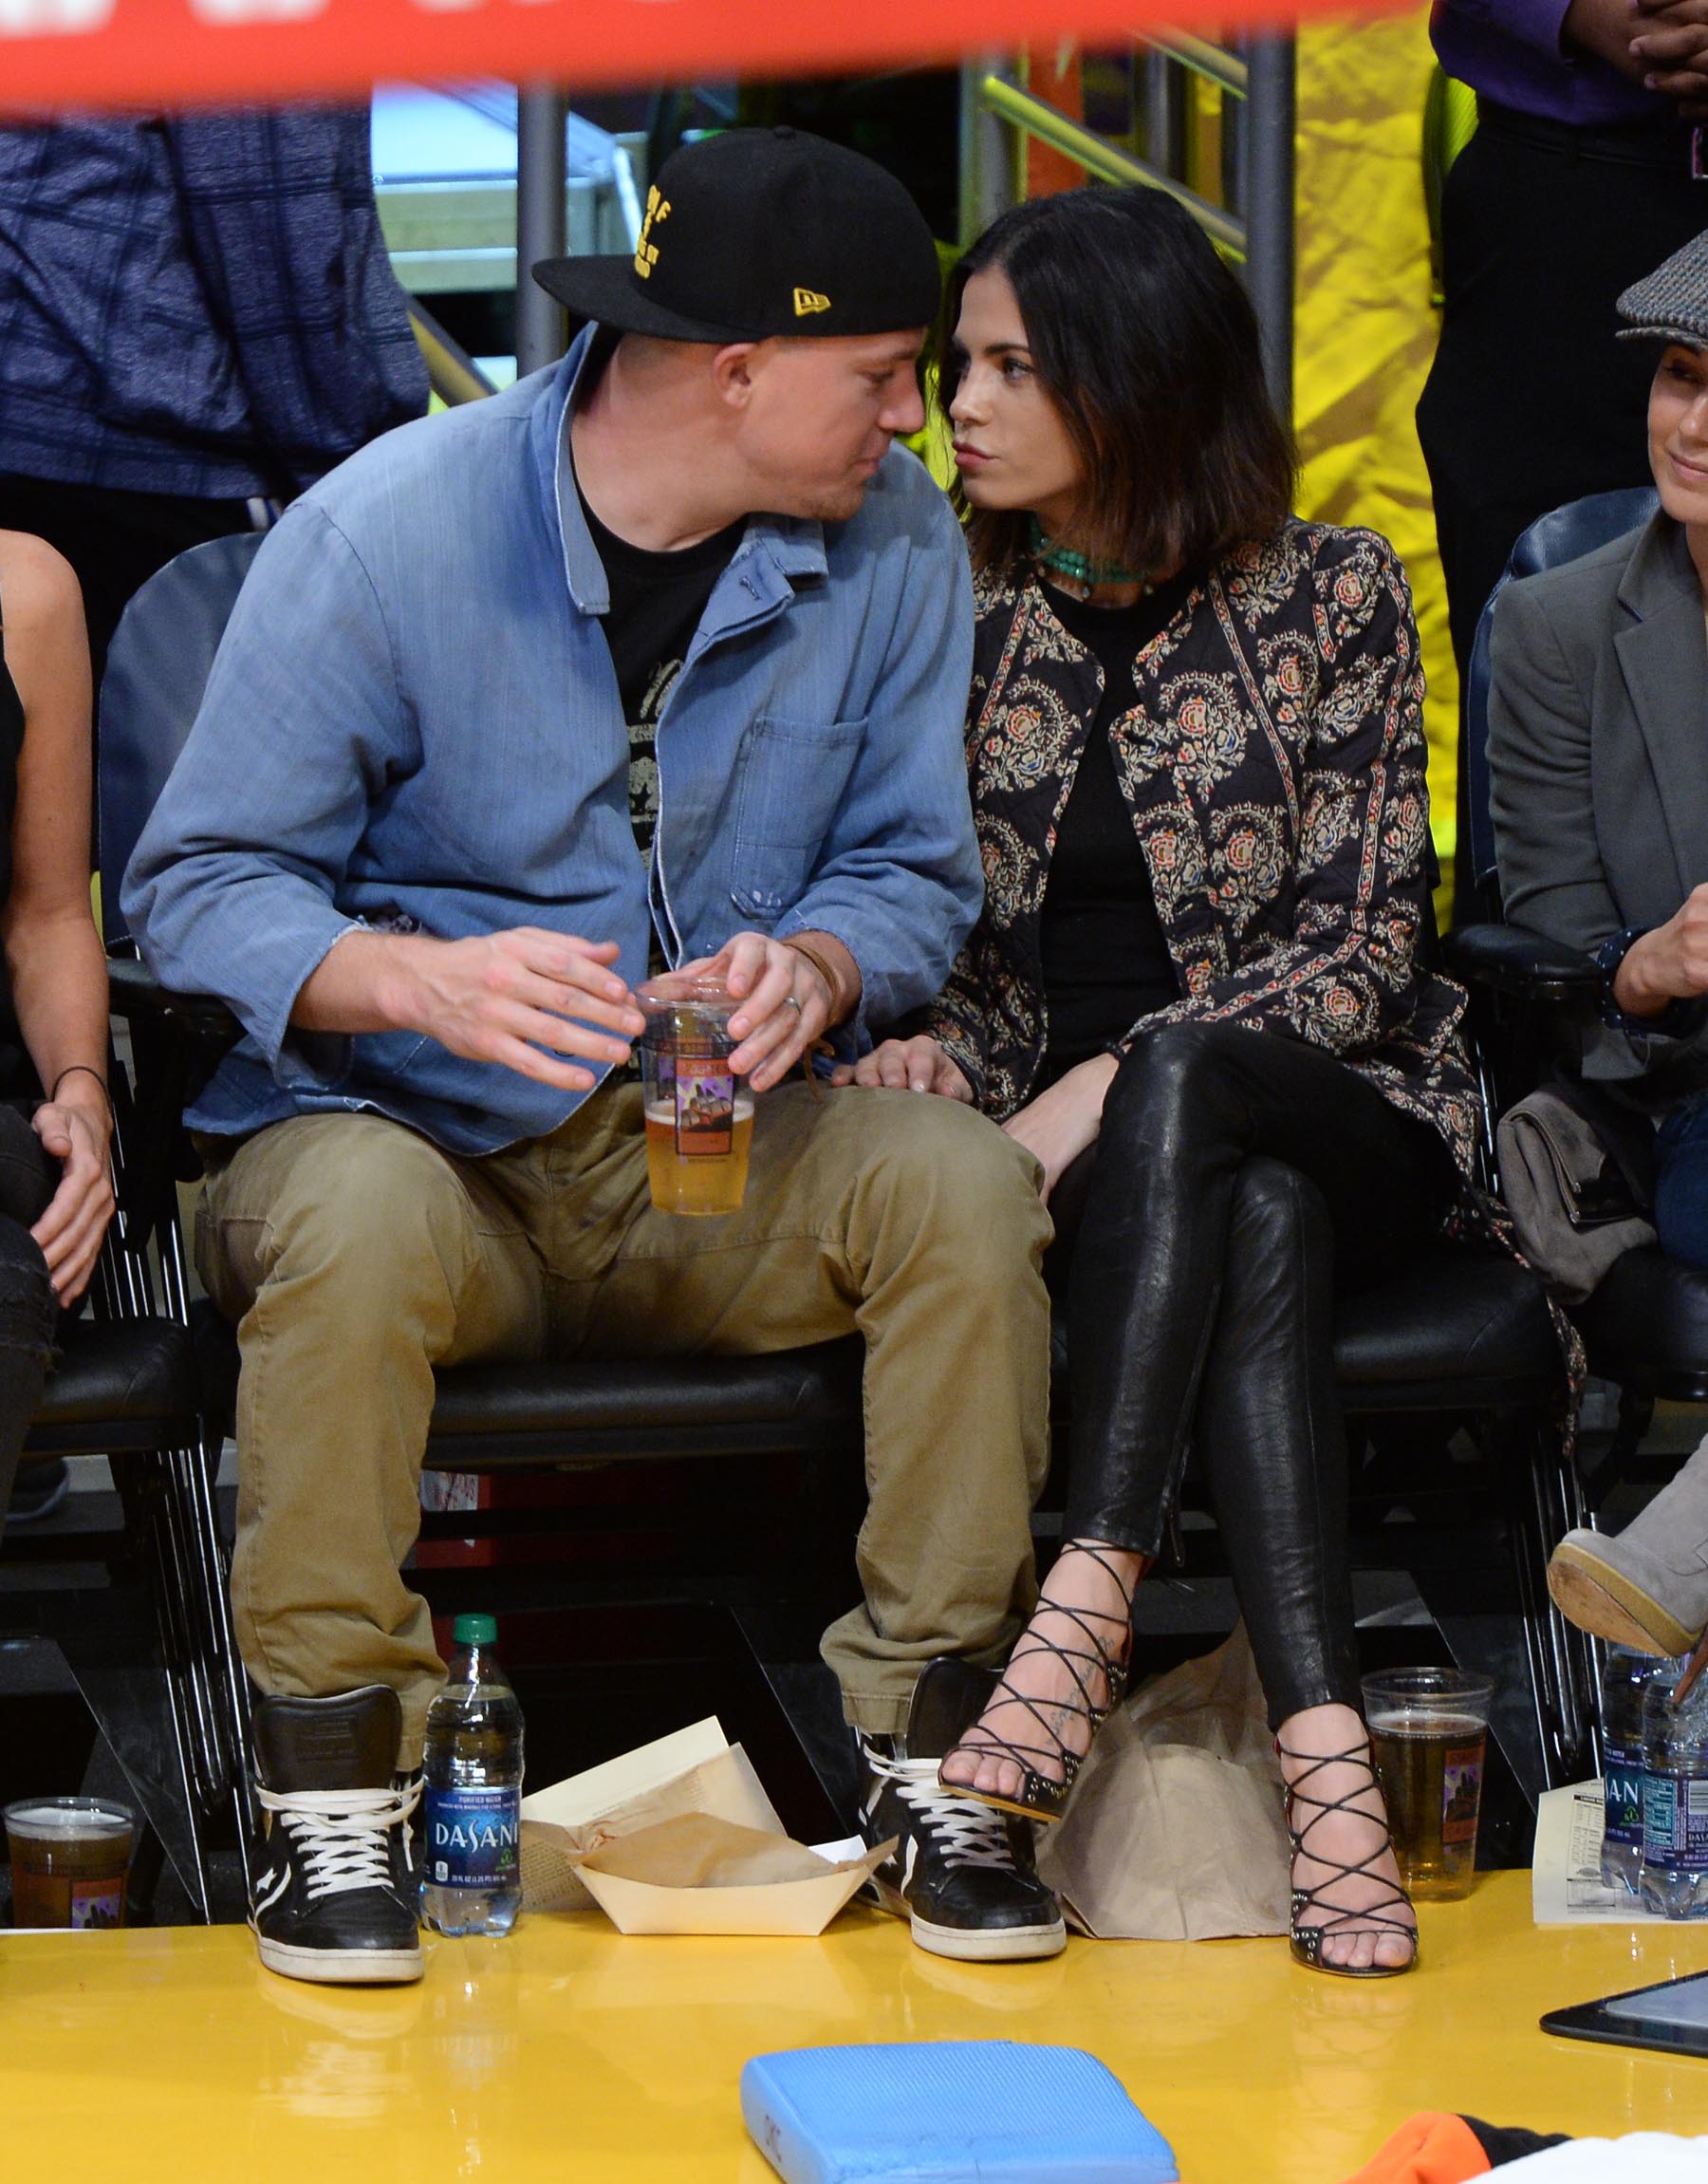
[{"x": 175, "y": 52}]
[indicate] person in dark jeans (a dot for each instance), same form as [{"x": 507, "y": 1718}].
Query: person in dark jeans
[
  {"x": 56, "y": 1194},
  {"x": 198, "y": 317},
  {"x": 1197, "y": 773}
]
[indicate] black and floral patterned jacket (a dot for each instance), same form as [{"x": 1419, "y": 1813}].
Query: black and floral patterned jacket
[{"x": 1275, "y": 767}]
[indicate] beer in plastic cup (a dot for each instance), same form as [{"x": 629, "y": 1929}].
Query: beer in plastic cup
[
  {"x": 1428, "y": 1734},
  {"x": 699, "y": 1122},
  {"x": 70, "y": 1856}
]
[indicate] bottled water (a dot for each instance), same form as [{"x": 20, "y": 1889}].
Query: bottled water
[
  {"x": 1675, "y": 1796},
  {"x": 1624, "y": 1680},
  {"x": 471, "y": 1863}
]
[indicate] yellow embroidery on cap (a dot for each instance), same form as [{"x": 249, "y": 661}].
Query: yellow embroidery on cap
[
  {"x": 647, "y": 250},
  {"x": 806, "y": 301}
]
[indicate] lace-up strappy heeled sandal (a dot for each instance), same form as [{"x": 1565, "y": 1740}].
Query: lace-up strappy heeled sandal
[
  {"x": 1379, "y": 1918},
  {"x": 1098, "y": 1675}
]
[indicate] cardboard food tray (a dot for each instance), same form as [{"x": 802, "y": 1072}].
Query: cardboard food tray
[{"x": 680, "y": 1836}]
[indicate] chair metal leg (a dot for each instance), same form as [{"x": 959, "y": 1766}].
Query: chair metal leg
[
  {"x": 1636, "y": 1415},
  {"x": 171, "y": 1496},
  {"x": 1544, "y": 1501}
]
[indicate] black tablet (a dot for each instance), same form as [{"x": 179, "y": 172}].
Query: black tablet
[{"x": 1673, "y": 2016}]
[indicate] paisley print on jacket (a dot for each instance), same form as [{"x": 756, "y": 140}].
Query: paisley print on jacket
[{"x": 1274, "y": 769}]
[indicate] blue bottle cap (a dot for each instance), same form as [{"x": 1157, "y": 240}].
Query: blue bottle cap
[{"x": 475, "y": 1630}]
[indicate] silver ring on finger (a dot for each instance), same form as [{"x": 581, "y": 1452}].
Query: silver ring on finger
[{"x": 789, "y": 1002}]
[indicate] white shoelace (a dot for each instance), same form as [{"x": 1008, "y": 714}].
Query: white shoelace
[
  {"x": 967, "y": 1832},
  {"x": 343, "y": 1834}
]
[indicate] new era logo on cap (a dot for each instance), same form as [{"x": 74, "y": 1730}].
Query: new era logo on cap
[{"x": 755, "y": 232}]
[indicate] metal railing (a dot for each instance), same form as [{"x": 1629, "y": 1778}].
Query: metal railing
[
  {"x": 1105, "y": 161},
  {"x": 1253, "y": 226},
  {"x": 452, "y": 372}
]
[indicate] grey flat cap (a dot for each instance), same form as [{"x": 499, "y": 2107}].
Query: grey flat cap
[{"x": 1670, "y": 304}]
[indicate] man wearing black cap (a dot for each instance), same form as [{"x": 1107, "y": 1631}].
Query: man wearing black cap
[{"x": 662, "y": 654}]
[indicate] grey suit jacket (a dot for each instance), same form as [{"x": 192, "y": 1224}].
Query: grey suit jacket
[{"x": 1598, "y": 762}]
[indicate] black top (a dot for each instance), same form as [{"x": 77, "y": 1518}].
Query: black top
[
  {"x": 657, "y": 601},
  {"x": 1104, "y": 958}
]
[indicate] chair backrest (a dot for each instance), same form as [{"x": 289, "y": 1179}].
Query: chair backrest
[
  {"x": 157, "y": 670},
  {"x": 1564, "y": 535}
]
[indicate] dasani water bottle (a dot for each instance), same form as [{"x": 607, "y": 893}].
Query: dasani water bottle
[
  {"x": 1675, "y": 1795},
  {"x": 1624, "y": 1680},
  {"x": 471, "y": 1862}
]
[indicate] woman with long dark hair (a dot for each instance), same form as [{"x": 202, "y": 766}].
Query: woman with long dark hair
[
  {"x": 56, "y": 1194},
  {"x": 1198, "y": 768}
]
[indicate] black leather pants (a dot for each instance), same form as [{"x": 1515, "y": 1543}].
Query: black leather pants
[{"x": 1238, "y": 1178}]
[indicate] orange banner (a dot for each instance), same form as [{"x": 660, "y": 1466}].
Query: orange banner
[{"x": 175, "y": 52}]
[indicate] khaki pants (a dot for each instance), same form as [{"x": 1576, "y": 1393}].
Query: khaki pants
[{"x": 356, "y": 1256}]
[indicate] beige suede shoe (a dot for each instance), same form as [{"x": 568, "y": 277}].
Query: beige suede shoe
[{"x": 1647, "y": 1586}]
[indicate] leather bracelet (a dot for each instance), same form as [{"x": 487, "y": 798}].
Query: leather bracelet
[
  {"x": 87, "y": 1070},
  {"x": 821, "y": 965}
]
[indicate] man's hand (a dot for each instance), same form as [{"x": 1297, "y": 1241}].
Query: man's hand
[
  {"x": 69, "y": 1232},
  {"x": 498, "y": 997},
  {"x": 907, "y": 1065},
  {"x": 1058, "y": 1126},
  {"x": 785, "y": 1006},
  {"x": 1669, "y": 48},
  {"x": 1669, "y": 964}
]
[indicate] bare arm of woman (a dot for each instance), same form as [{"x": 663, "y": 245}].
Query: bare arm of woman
[{"x": 53, "y": 952}]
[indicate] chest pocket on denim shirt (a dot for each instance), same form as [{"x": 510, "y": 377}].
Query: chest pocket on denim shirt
[{"x": 793, "y": 775}]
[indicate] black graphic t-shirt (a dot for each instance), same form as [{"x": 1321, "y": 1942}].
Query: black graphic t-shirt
[{"x": 657, "y": 601}]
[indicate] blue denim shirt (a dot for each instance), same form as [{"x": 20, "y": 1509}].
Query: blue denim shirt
[{"x": 413, "y": 723}]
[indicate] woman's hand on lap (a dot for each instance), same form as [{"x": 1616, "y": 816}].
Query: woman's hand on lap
[
  {"x": 1058, "y": 1126},
  {"x": 71, "y": 1231}
]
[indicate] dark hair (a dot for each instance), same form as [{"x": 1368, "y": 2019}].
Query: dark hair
[{"x": 1146, "y": 343}]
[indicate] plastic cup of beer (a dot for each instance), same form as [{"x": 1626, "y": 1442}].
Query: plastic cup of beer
[
  {"x": 699, "y": 1122},
  {"x": 69, "y": 1858},
  {"x": 1428, "y": 1735}
]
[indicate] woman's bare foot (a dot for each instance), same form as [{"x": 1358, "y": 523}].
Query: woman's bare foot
[
  {"x": 1343, "y": 1855},
  {"x": 1062, "y": 1676}
]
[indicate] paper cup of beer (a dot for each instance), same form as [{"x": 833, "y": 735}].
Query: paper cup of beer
[
  {"x": 69, "y": 1858},
  {"x": 1428, "y": 1734},
  {"x": 699, "y": 1122}
]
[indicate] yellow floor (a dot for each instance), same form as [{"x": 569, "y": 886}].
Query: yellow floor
[{"x": 571, "y": 2053}]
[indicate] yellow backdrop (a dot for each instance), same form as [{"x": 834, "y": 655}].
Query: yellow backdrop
[{"x": 1366, "y": 325}]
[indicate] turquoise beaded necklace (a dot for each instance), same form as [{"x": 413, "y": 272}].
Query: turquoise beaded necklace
[{"x": 1081, "y": 568}]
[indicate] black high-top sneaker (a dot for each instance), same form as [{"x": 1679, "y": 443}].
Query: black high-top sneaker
[
  {"x": 336, "y": 1896},
  {"x": 961, "y": 1872}
]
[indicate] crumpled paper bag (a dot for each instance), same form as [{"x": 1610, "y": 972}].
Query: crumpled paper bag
[
  {"x": 692, "y": 1772},
  {"x": 1176, "y": 1832},
  {"x": 678, "y": 1836}
]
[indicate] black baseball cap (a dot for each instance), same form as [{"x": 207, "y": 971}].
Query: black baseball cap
[{"x": 761, "y": 232}]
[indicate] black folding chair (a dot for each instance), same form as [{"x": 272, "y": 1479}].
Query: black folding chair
[{"x": 125, "y": 1386}]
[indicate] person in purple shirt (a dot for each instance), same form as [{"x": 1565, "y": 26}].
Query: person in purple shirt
[{"x": 1581, "y": 175}]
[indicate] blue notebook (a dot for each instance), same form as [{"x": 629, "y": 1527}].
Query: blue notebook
[{"x": 948, "y": 2112}]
